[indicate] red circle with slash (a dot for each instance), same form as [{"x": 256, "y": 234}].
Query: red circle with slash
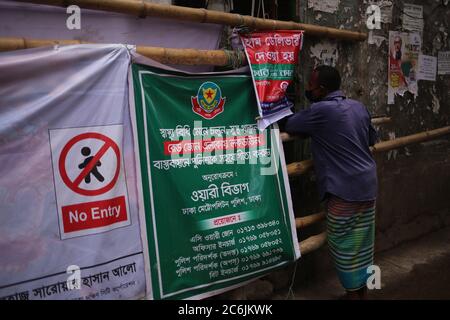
[{"x": 74, "y": 185}]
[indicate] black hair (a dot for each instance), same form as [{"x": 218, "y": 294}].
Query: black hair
[{"x": 329, "y": 77}]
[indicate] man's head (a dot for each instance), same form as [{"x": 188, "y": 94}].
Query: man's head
[
  {"x": 398, "y": 43},
  {"x": 323, "y": 80},
  {"x": 398, "y": 48}
]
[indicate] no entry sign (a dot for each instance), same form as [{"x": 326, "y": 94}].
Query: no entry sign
[
  {"x": 90, "y": 185},
  {"x": 91, "y": 165}
]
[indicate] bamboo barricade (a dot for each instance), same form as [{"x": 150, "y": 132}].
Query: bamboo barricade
[
  {"x": 143, "y": 9},
  {"x": 163, "y": 55},
  {"x": 220, "y": 58},
  {"x": 315, "y": 242},
  {"x": 299, "y": 168}
]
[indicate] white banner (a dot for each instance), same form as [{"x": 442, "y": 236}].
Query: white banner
[
  {"x": 69, "y": 226},
  {"x": 36, "y": 21}
]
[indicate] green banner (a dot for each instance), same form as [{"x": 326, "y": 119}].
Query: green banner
[{"x": 213, "y": 193}]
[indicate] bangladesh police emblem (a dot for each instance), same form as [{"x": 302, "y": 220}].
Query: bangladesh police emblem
[{"x": 209, "y": 102}]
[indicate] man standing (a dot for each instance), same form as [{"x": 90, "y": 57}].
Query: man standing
[{"x": 341, "y": 134}]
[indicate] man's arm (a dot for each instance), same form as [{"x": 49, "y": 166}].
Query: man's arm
[{"x": 305, "y": 122}]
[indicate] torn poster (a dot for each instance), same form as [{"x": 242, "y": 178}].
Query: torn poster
[
  {"x": 373, "y": 39},
  {"x": 385, "y": 9},
  {"x": 329, "y": 6},
  {"x": 272, "y": 56},
  {"x": 325, "y": 52},
  {"x": 404, "y": 50},
  {"x": 427, "y": 68},
  {"x": 444, "y": 62},
  {"x": 413, "y": 17}
]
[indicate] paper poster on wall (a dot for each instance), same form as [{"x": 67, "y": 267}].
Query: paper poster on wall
[
  {"x": 412, "y": 17},
  {"x": 217, "y": 208},
  {"x": 375, "y": 39},
  {"x": 325, "y": 52},
  {"x": 386, "y": 8},
  {"x": 404, "y": 50},
  {"x": 272, "y": 56},
  {"x": 329, "y": 6},
  {"x": 444, "y": 62},
  {"x": 427, "y": 68},
  {"x": 386, "y": 11}
]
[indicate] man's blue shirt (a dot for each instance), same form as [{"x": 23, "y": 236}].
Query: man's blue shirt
[{"x": 342, "y": 133}]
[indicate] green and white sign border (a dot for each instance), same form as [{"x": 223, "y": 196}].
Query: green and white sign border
[{"x": 278, "y": 146}]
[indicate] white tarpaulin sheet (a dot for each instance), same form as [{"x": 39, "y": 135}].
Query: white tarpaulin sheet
[
  {"x": 48, "y": 22},
  {"x": 67, "y": 175}
]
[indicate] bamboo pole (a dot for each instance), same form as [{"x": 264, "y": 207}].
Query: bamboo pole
[
  {"x": 163, "y": 55},
  {"x": 304, "y": 222},
  {"x": 189, "y": 56},
  {"x": 415, "y": 138},
  {"x": 381, "y": 120},
  {"x": 10, "y": 44},
  {"x": 313, "y": 243},
  {"x": 144, "y": 9},
  {"x": 299, "y": 168}
]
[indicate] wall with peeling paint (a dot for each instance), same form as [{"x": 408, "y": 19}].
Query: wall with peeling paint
[
  {"x": 414, "y": 181},
  {"x": 405, "y": 197}
]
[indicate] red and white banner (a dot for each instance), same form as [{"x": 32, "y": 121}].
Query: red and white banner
[
  {"x": 272, "y": 56},
  {"x": 90, "y": 185}
]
